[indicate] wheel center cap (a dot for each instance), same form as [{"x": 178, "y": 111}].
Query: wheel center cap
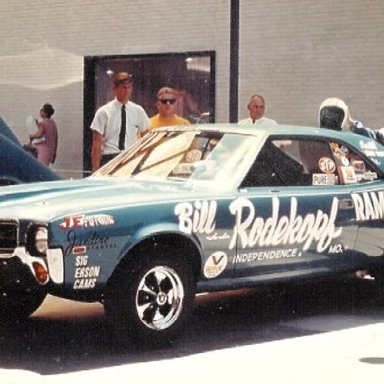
[{"x": 161, "y": 298}]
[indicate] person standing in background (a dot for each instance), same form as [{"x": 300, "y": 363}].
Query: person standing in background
[
  {"x": 46, "y": 137},
  {"x": 335, "y": 114},
  {"x": 165, "y": 102},
  {"x": 118, "y": 123},
  {"x": 256, "y": 110}
]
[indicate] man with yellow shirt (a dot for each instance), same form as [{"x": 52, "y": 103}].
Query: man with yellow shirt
[{"x": 165, "y": 102}]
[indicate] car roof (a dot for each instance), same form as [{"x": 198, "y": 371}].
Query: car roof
[{"x": 265, "y": 130}]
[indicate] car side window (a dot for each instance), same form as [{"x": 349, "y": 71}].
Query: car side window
[
  {"x": 352, "y": 168},
  {"x": 318, "y": 161},
  {"x": 306, "y": 162},
  {"x": 277, "y": 164}
]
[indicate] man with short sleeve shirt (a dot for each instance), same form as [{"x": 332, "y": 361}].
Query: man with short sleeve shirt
[
  {"x": 256, "y": 109},
  {"x": 116, "y": 125},
  {"x": 166, "y": 99}
]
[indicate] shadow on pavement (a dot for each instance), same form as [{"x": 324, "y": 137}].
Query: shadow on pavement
[{"x": 222, "y": 320}]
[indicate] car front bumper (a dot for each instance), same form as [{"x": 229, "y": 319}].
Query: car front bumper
[{"x": 22, "y": 269}]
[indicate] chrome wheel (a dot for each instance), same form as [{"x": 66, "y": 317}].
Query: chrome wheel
[
  {"x": 159, "y": 298},
  {"x": 150, "y": 298}
]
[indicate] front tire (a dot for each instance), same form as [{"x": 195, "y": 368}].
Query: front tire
[
  {"x": 19, "y": 304},
  {"x": 150, "y": 299}
]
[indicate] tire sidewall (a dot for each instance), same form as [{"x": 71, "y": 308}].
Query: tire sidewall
[
  {"x": 20, "y": 308},
  {"x": 121, "y": 301}
]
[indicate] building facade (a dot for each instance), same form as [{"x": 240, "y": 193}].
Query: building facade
[{"x": 295, "y": 53}]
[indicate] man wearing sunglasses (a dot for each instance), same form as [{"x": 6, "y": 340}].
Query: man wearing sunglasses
[{"x": 165, "y": 103}]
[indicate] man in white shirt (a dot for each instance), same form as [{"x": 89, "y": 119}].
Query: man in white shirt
[
  {"x": 256, "y": 109},
  {"x": 118, "y": 123}
]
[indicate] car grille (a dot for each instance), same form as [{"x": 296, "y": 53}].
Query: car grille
[{"x": 8, "y": 236}]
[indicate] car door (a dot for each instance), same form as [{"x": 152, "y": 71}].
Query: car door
[
  {"x": 358, "y": 170},
  {"x": 292, "y": 215}
]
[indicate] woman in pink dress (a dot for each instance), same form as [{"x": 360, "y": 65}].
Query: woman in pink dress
[{"x": 45, "y": 138}]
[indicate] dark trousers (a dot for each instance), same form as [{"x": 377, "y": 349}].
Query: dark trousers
[{"x": 105, "y": 158}]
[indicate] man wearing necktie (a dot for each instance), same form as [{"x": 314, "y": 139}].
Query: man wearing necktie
[{"x": 116, "y": 125}]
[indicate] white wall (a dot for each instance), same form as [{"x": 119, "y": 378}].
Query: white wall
[
  {"x": 296, "y": 53},
  {"x": 44, "y": 42}
]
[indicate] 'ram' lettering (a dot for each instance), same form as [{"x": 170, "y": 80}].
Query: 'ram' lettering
[{"x": 369, "y": 205}]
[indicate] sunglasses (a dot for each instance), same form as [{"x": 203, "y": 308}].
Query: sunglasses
[{"x": 167, "y": 101}]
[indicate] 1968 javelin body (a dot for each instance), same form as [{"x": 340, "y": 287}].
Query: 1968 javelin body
[{"x": 187, "y": 210}]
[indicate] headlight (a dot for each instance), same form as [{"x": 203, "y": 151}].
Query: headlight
[{"x": 41, "y": 239}]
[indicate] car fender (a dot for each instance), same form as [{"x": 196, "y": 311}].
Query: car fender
[{"x": 169, "y": 232}]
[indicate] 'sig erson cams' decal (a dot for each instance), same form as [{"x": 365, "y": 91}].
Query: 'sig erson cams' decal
[
  {"x": 215, "y": 264},
  {"x": 85, "y": 275}
]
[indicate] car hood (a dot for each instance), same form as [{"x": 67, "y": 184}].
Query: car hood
[
  {"x": 7, "y": 132},
  {"x": 47, "y": 200},
  {"x": 17, "y": 165}
]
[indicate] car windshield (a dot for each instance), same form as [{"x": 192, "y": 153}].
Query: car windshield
[{"x": 183, "y": 155}]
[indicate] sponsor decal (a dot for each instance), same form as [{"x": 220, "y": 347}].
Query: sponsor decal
[
  {"x": 348, "y": 175},
  {"x": 337, "y": 248},
  {"x": 252, "y": 231},
  {"x": 198, "y": 217},
  {"x": 215, "y": 264},
  {"x": 217, "y": 237},
  {"x": 85, "y": 275},
  {"x": 358, "y": 165},
  {"x": 344, "y": 161},
  {"x": 92, "y": 240},
  {"x": 370, "y": 149},
  {"x": 344, "y": 149},
  {"x": 327, "y": 165},
  {"x": 323, "y": 179},
  {"x": 368, "y": 146},
  {"x": 79, "y": 250},
  {"x": 369, "y": 175},
  {"x": 85, "y": 221},
  {"x": 193, "y": 155},
  {"x": 266, "y": 255},
  {"x": 369, "y": 205},
  {"x": 182, "y": 168}
]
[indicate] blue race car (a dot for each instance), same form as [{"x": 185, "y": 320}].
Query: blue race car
[
  {"x": 16, "y": 164},
  {"x": 194, "y": 209}
]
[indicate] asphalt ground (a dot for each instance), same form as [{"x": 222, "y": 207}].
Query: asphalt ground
[{"x": 324, "y": 332}]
